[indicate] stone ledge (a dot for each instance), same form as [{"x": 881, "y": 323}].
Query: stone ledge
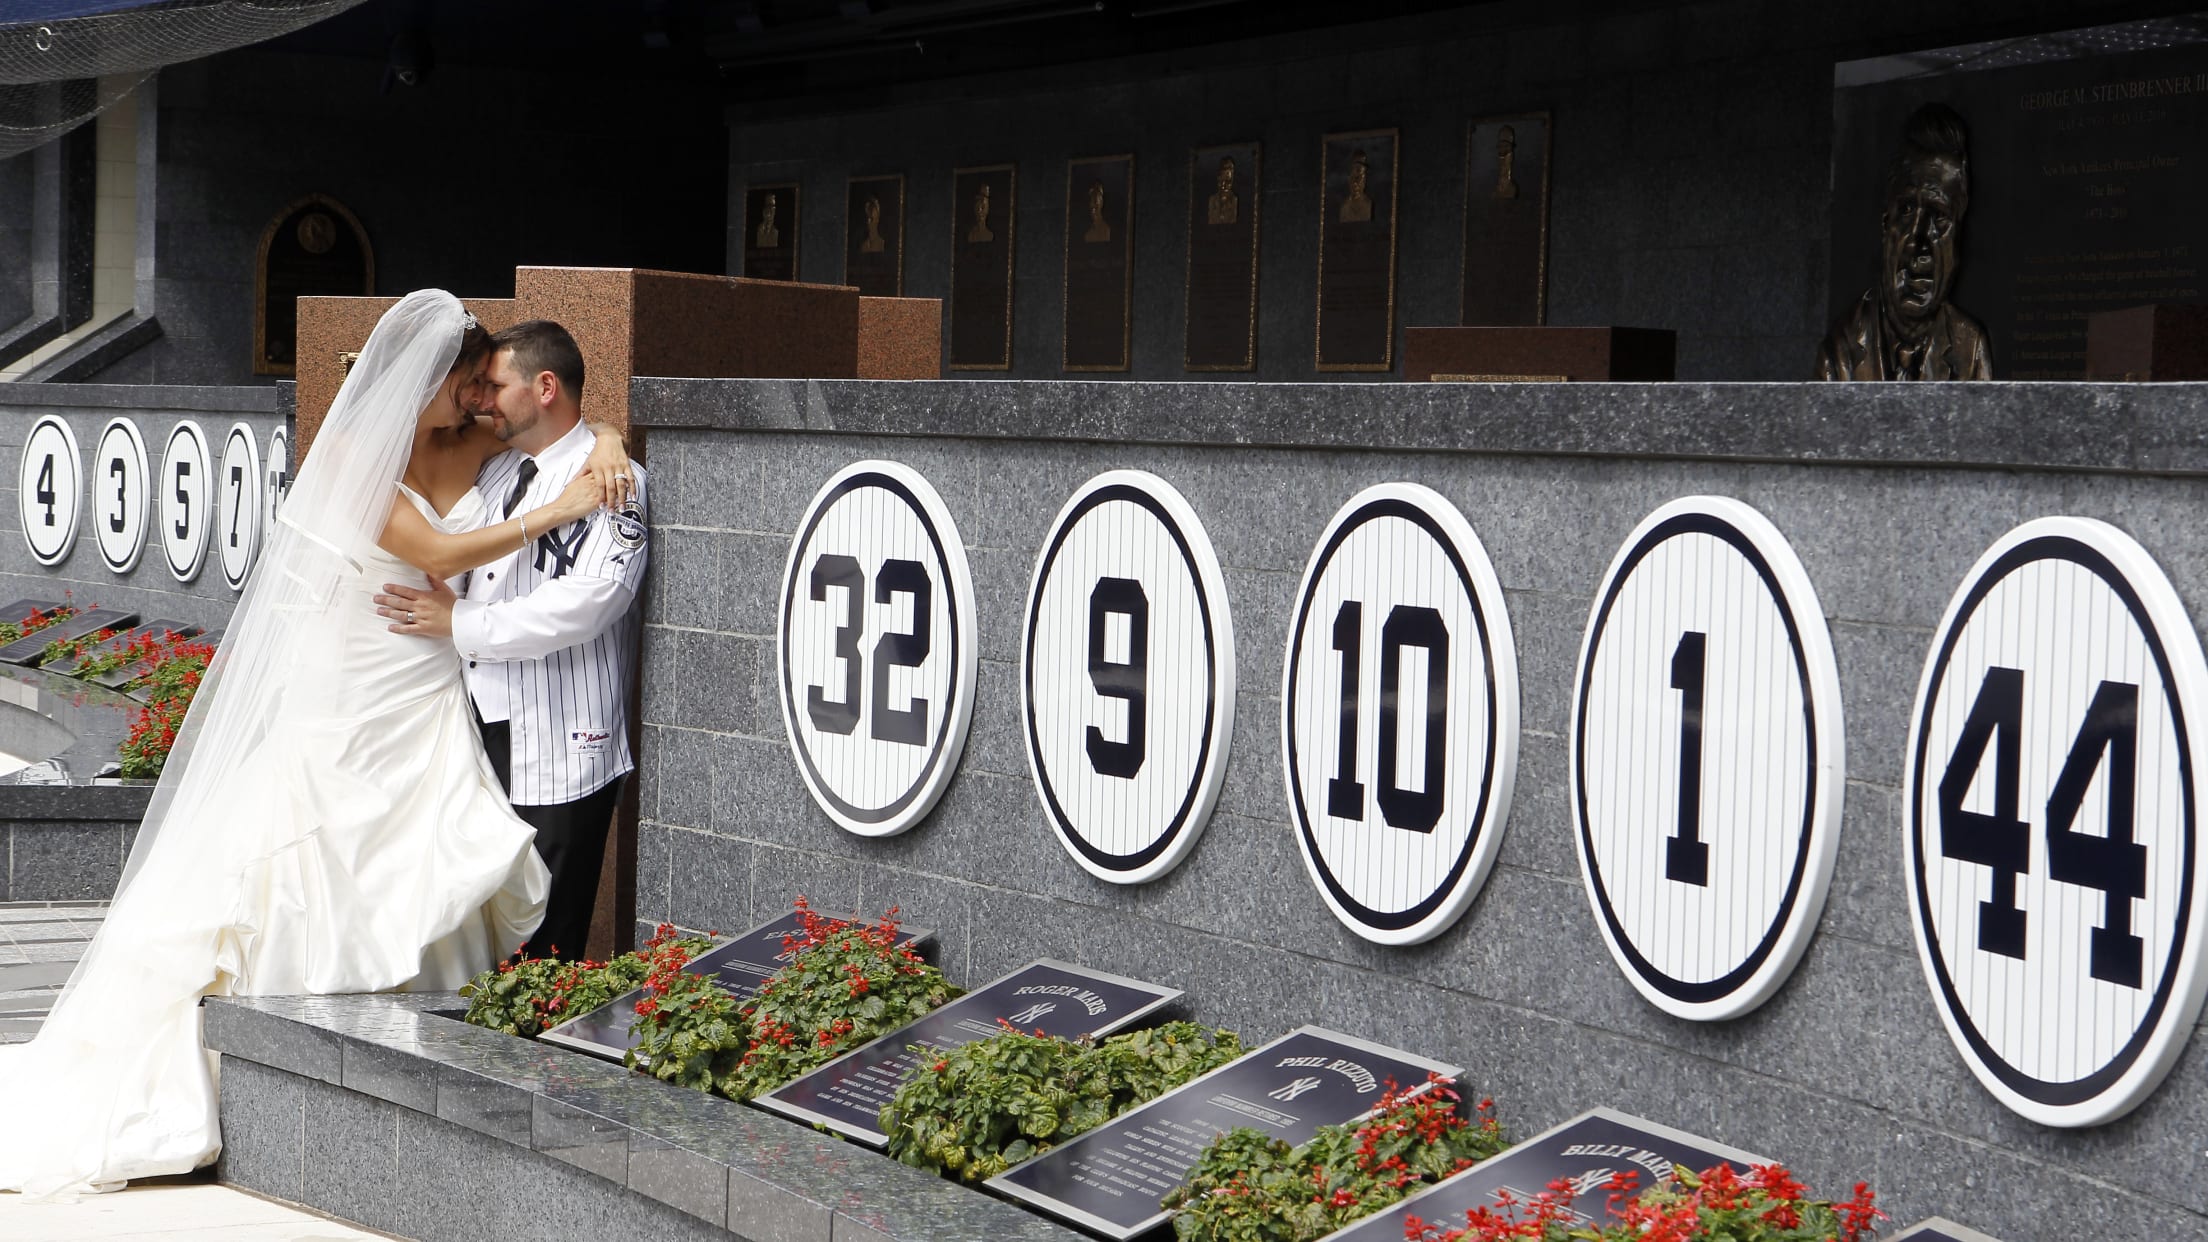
[
  {"x": 125, "y": 804},
  {"x": 240, "y": 399},
  {"x": 735, "y": 1168},
  {"x": 2140, "y": 428}
]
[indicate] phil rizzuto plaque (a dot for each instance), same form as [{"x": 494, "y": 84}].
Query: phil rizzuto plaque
[
  {"x": 1127, "y": 677},
  {"x": 1100, "y": 272},
  {"x": 1708, "y": 702},
  {"x": 314, "y": 246},
  {"x": 1221, "y": 298},
  {"x": 1047, "y": 997},
  {"x": 2051, "y": 831},
  {"x": 770, "y": 231},
  {"x": 1111, "y": 1180},
  {"x": 1356, "y": 310},
  {"x": 981, "y": 267},
  {"x": 1399, "y": 714},
  {"x": 1585, "y": 1153},
  {"x": 739, "y": 965},
  {"x": 876, "y": 649},
  {"x": 1504, "y": 281},
  {"x": 874, "y": 236}
]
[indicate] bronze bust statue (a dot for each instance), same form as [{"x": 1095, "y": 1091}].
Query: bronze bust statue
[{"x": 1905, "y": 328}]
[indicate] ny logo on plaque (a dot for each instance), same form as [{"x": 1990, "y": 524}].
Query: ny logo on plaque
[
  {"x": 876, "y": 647},
  {"x": 1127, "y": 676},
  {"x": 119, "y": 491},
  {"x": 1112, "y": 1179},
  {"x": 1583, "y": 1153},
  {"x": 2052, "y": 834},
  {"x": 1708, "y": 703},
  {"x": 1051, "y": 998},
  {"x": 47, "y": 490},
  {"x": 1399, "y": 714}
]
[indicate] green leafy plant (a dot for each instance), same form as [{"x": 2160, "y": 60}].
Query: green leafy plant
[
  {"x": 848, "y": 983},
  {"x": 526, "y": 996},
  {"x": 176, "y": 666},
  {"x": 1718, "y": 1205},
  {"x": 974, "y": 1111},
  {"x": 35, "y": 620},
  {"x": 72, "y": 648},
  {"x": 1247, "y": 1187}
]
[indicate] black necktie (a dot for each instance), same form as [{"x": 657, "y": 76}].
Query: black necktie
[{"x": 522, "y": 481}]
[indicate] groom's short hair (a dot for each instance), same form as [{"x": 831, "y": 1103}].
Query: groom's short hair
[{"x": 540, "y": 345}]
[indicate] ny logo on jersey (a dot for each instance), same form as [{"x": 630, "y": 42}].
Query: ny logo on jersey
[
  {"x": 563, "y": 545},
  {"x": 1033, "y": 1013},
  {"x": 1294, "y": 1089}
]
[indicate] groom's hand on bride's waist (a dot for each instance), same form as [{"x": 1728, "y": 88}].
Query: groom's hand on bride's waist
[{"x": 412, "y": 610}]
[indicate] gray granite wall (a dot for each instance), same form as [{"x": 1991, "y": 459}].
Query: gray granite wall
[
  {"x": 67, "y": 842},
  {"x": 1689, "y": 183},
  {"x": 1887, "y": 493},
  {"x": 148, "y": 588},
  {"x": 15, "y": 240}
]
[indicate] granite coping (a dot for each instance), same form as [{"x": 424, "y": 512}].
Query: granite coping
[
  {"x": 745, "y": 1170},
  {"x": 241, "y": 399},
  {"x": 2137, "y": 428},
  {"x": 106, "y": 803}
]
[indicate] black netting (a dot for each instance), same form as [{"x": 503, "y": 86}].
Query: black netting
[{"x": 64, "y": 60}]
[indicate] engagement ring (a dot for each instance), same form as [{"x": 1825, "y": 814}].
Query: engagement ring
[{"x": 410, "y": 618}]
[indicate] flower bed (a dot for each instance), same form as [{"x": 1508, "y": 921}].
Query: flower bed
[
  {"x": 1718, "y": 1205},
  {"x": 33, "y": 621}
]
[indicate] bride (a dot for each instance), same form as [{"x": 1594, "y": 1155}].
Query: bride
[{"x": 326, "y": 821}]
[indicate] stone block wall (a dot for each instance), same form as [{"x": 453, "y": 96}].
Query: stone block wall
[
  {"x": 1888, "y": 495},
  {"x": 67, "y": 843},
  {"x": 149, "y": 588},
  {"x": 1689, "y": 185}
]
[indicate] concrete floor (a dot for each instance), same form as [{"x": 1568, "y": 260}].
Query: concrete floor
[{"x": 39, "y": 944}]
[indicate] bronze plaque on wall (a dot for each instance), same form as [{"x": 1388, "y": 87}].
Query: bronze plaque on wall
[
  {"x": 1505, "y": 277},
  {"x": 1100, "y": 274},
  {"x": 314, "y": 246},
  {"x": 1221, "y": 298},
  {"x": 981, "y": 268},
  {"x": 874, "y": 236},
  {"x": 770, "y": 231},
  {"x": 1357, "y": 183}
]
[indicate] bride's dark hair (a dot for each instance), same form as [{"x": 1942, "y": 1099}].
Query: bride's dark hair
[{"x": 475, "y": 346}]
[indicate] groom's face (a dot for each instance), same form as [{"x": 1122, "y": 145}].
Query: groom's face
[{"x": 510, "y": 398}]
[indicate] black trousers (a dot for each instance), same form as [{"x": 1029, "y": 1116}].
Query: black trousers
[{"x": 571, "y": 838}]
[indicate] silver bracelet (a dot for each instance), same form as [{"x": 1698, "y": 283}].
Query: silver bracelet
[{"x": 524, "y": 520}]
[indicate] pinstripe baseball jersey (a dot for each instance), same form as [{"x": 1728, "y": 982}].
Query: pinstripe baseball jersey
[{"x": 547, "y": 637}]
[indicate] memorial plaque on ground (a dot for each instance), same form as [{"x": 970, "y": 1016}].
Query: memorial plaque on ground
[
  {"x": 1112, "y": 1179},
  {"x": 2083, "y": 178},
  {"x": 1100, "y": 270},
  {"x": 770, "y": 232},
  {"x": 152, "y": 629},
  {"x": 28, "y": 649},
  {"x": 129, "y": 673},
  {"x": 1584, "y": 1153},
  {"x": 1047, "y": 997},
  {"x": 1940, "y": 1230},
  {"x": 1504, "y": 279},
  {"x": 874, "y": 236},
  {"x": 981, "y": 268},
  {"x": 738, "y": 965},
  {"x": 1357, "y": 252},
  {"x": 1223, "y": 197}
]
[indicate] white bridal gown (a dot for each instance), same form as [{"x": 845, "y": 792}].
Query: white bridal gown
[{"x": 364, "y": 846}]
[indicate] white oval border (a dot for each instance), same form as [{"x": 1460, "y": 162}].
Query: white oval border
[
  {"x": 1213, "y": 774},
  {"x": 963, "y": 674},
  {"x": 136, "y": 442},
  {"x": 1502, "y": 656},
  {"x": 1827, "y": 718},
  {"x": 272, "y": 500},
  {"x": 184, "y": 429},
  {"x": 76, "y": 503},
  {"x": 249, "y": 491},
  {"x": 2189, "y": 686}
]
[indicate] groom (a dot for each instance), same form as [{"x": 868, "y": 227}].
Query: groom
[{"x": 547, "y": 637}]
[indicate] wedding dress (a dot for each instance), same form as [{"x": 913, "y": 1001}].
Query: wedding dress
[{"x": 327, "y": 822}]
